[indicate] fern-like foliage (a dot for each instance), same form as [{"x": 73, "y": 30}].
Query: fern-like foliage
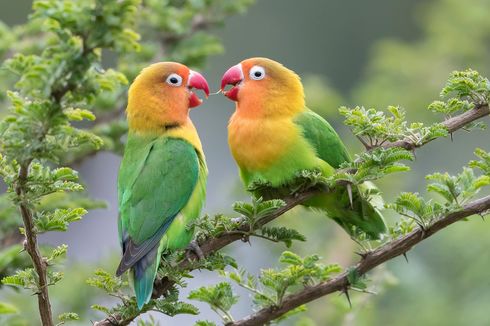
[
  {"x": 272, "y": 285},
  {"x": 374, "y": 128},
  {"x": 282, "y": 234},
  {"x": 220, "y": 298}
]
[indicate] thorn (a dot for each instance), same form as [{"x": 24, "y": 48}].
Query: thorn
[
  {"x": 349, "y": 192},
  {"x": 363, "y": 255},
  {"x": 414, "y": 154},
  {"x": 194, "y": 247},
  {"x": 451, "y": 136},
  {"x": 482, "y": 217},
  {"x": 246, "y": 239},
  {"x": 346, "y": 292},
  {"x": 405, "y": 255}
]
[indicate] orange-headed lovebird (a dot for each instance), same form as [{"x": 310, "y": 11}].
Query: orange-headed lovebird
[
  {"x": 162, "y": 178},
  {"x": 273, "y": 136}
]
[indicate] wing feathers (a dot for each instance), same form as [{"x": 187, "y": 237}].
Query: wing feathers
[{"x": 133, "y": 252}]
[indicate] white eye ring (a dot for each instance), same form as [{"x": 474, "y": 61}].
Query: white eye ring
[
  {"x": 257, "y": 73},
  {"x": 174, "y": 80}
]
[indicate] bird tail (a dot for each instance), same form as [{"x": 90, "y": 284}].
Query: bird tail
[
  {"x": 144, "y": 274},
  {"x": 364, "y": 213}
]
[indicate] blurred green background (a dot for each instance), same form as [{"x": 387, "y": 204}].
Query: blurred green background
[{"x": 370, "y": 53}]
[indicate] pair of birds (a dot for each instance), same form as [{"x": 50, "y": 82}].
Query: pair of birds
[{"x": 272, "y": 136}]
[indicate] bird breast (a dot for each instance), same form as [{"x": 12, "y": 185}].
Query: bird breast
[{"x": 257, "y": 143}]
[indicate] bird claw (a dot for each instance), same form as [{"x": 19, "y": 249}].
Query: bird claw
[{"x": 194, "y": 247}]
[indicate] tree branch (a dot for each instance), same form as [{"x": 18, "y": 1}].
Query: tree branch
[
  {"x": 372, "y": 259},
  {"x": 32, "y": 249},
  {"x": 21, "y": 189},
  {"x": 453, "y": 124}
]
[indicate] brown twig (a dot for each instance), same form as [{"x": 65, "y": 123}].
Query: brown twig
[
  {"x": 453, "y": 124},
  {"x": 372, "y": 259},
  {"x": 32, "y": 248}
]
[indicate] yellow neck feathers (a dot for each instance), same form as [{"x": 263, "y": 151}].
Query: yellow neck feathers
[
  {"x": 159, "y": 109},
  {"x": 149, "y": 109}
]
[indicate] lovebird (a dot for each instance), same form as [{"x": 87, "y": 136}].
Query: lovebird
[
  {"x": 163, "y": 173},
  {"x": 273, "y": 136}
]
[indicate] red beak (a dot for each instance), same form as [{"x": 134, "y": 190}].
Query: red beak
[
  {"x": 197, "y": 81},
  {"x": 233, "y": 76}
]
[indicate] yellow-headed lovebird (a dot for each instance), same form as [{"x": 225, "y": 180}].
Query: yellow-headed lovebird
[
  {"x": 273, "y": 136},
  {"x": 162, "y": 178}
]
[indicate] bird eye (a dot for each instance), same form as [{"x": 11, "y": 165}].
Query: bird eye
[
  {"x": 174, "y": 80},
  {"x": 257, "y": 73}
]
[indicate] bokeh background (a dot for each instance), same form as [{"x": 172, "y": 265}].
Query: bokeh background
[{"x": 371, "y": 53}]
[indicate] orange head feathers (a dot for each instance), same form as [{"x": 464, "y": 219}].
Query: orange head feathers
[
  {"x": 264, "y": 88},
  {"x": 162, "y": 95}
]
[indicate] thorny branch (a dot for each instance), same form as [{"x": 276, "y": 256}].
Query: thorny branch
[
  {"x": 32, "y": 248},
  {"x": 31, "y": 245},
  {"x": 452, "y": 124},
  {"x": 370, "y": 260}
]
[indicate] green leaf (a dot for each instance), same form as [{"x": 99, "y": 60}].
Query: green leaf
[
  {"x": 7, "y": 308},
  {"x": 355, "y": 280},
  {"x": 58, "y": 220},
  {"x": 204, "y": 323},
  {"x": 25, "y": 278},
  {"x": 291, "y": 258},
  {"x": 106, "y": 281},
  {"x": 220, "y": 297},
  {"x": 484, "y": 163},
  {"x": 101, "y": 308},
  {"x": 58, "y": 252},
  {"x": 68, "y": 316},
  {"x": 282, "y": 234},
  {"x": 78, "y": 114}
]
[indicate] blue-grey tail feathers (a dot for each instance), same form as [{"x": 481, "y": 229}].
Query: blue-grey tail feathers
[
  {"x": 134, "y": 252},
  {"x": 144, "y": 274}
]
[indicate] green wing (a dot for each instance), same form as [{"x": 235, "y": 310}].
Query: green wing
[
  {"x": 323, "y": 138},
  {"x": 156, "y": 179},
  {"x": 360, "y": 213}
]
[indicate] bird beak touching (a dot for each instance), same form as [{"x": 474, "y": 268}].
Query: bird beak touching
[
  {"x": 197, "y": 81},
  {"x": 234, "y": 77}
]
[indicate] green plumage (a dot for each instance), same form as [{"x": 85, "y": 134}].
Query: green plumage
[
  {"x": 323, "y": 138},
  {"x": 319, "y": 147},
  {"x": 329, "y": 148},
  {"x": 161, "y": 189}
]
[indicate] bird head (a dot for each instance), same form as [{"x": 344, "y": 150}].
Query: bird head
[
  {"x": 263, "y": 86},
  {"x": 162, "y": 94}
]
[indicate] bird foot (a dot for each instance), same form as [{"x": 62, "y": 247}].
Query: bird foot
[{"x": 194, "y": 247}]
